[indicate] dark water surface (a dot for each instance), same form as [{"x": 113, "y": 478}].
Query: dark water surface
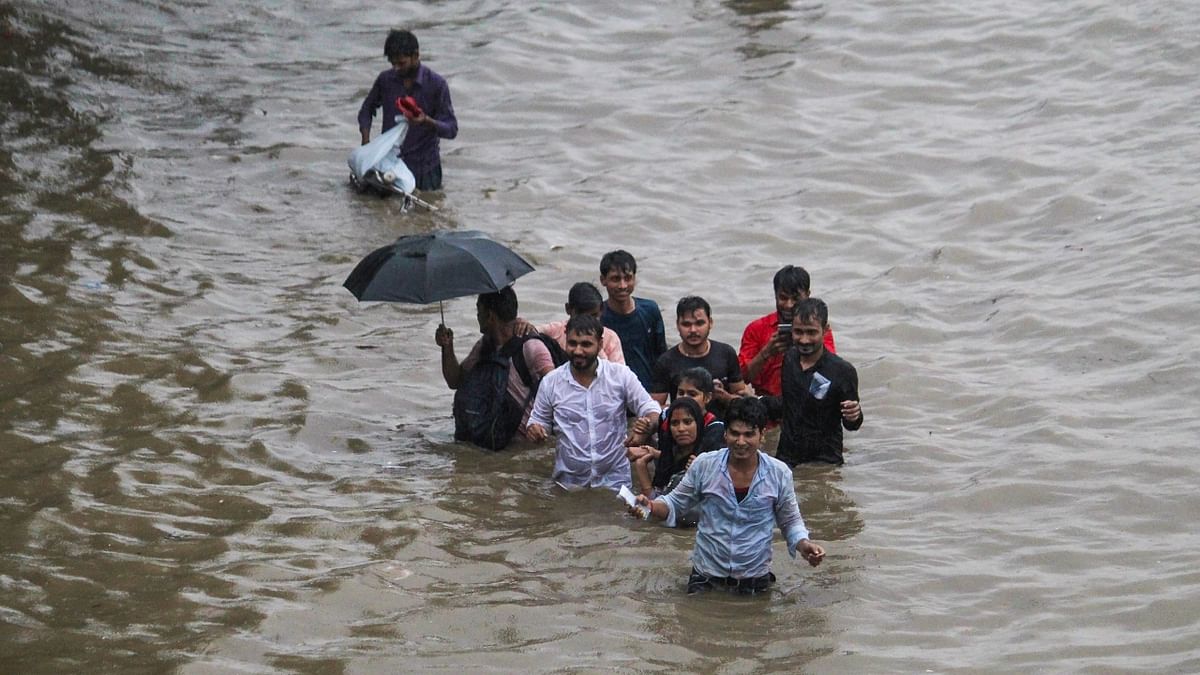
[{"x": 212, "y": 459}]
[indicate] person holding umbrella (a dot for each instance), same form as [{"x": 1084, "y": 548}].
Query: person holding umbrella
[{"x": 496, "y": 312}]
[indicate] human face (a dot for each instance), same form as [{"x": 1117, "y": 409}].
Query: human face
[
  {"x": 743, "y": 440},
  {"x": 690, "y": 390},
  {"x": 619, "y": 284},
  {"x": 683, "y": 427},
  {"x": 785, "y": 302},
  {"x": 406, "y": 64},
  {"x": 584, "y": 350},
  {"x": 808, "y": 337},
  {"x": 694, "y": 328}
]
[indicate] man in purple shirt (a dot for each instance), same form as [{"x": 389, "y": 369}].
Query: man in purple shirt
[{"x": 407, "y": 77}]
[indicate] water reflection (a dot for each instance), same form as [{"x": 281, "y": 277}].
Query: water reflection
[{"x": 766, "y": 22}]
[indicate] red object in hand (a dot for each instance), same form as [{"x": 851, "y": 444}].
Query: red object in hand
[{"x": 408, "y": 106}]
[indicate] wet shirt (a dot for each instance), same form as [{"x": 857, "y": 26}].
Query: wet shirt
[
  {"x": 590, "y": 423},
  {"x": 756, "y": 336},
  {"x": 721, "y": 360},
  {"x": 733, "y": 539},
  {"x": 811, "y": 408},
  {"x": 420, "y": 150},
  {"x": 643, "y": 336}
]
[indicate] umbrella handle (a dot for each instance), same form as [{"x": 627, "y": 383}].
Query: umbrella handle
[{"x": 442, "y": 312}]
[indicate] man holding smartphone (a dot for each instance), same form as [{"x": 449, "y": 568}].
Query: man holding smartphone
[{"x": 766, "y": 338}]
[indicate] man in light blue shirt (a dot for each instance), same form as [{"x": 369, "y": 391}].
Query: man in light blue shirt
[{"x": 743, "y": 493}]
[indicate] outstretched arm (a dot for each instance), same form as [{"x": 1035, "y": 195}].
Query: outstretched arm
[{"x": 452, "y": 370}]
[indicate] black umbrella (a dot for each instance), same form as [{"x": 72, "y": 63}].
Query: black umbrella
[{"x": 425, "y": 268}]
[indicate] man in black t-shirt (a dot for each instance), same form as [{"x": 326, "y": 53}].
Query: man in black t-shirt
[
  {"x": 820, "y": 392},
  {"x": 693, "y": 319}
]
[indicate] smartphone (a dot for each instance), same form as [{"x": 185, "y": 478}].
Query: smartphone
[{"x": 785, "y": 329}]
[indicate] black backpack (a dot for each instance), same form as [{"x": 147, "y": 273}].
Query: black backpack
[{"x": 484, "y": 412}]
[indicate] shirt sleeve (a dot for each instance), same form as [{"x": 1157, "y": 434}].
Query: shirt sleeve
[
  {"x": 658, "y": 343},
  {"x": 537, "y": 357},
  {"x": 685, "y": 496},
  {"x": 366, "y": 113},
  {"x": 447, "y": 123},
  {"x": 733, "y": 368},
  {"x": 787, "y": 513},
  {"x": 611, "y": 343},
  {"x": 543, "y": 410},
  {"x": 850, "y": 393},
  {"x": 637, "y": 398},
  {"x": 752, "y": 344}
]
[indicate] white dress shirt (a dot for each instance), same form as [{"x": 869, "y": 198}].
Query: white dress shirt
[{"x": 590, "y": 423}]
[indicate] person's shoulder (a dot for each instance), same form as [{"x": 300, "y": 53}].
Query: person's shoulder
[
  {"x": 711, "y": 461},
  {"x": 670, "y": 356},
  {"x": 427, "y": 74},
  {"x": 835, "y": 361},
  {"x": 724, "y": 349},
  {"x": 763, "y": 322},
  {"x": 557, "y": 374},
  {"x": 646, "y": 305},
  {"x": 773, "y": 464}
]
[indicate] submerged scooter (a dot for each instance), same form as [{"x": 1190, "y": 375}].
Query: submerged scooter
[{"x": 377, "y": 167}]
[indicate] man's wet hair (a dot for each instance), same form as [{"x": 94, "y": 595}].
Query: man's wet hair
[
  {"x": 809, "y": 310},
  {"x": 585, "y": 324},
  {"x": 792, "y": 279},
  {"x": 699, "y": 376},
  {"x": 691, "y": 303},
  {"x": 502, "y": 303},
  {"x": 748, "y": 410},
  {"x": 584, "y": 297},
  {"x": 619, "y": 260},
  {"x": 400, "y": 43}
]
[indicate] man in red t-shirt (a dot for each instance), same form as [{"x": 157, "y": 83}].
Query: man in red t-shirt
[{"x": 763, "y": 344}]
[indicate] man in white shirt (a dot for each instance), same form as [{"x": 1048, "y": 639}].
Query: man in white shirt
[{"x": 586, "y": 400}]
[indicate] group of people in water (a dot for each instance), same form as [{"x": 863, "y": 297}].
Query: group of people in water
[
  {"x": 700, "y": 460},
  {"x": 684, "y": 426}
]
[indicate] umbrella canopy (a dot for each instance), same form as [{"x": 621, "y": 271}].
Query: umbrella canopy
[{"x": 426, "y": 268}]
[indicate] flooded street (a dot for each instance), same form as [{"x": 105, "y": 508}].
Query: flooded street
[{"x": 213, "y": 459}]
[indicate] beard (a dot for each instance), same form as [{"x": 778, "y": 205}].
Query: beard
[
  {"x": 807, "y": 349},
  {"x": 583, "y": 364}
]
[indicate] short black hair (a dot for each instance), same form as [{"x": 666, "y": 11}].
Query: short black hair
[
  {"x": 585, "y": 324},
  {"x": 748, "y": 410},
  {"x": 699, "y": 376},
  {"x": 400, "y": 43},
  {"x": 584, "y": 297},
  {"x": 618, "y": 260},
  {"x": 690, "y": 303},
  {"x": 502, "y": 303},
  {"x": 792, "y": 279},
  {"x": 811, "y": 308}
]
